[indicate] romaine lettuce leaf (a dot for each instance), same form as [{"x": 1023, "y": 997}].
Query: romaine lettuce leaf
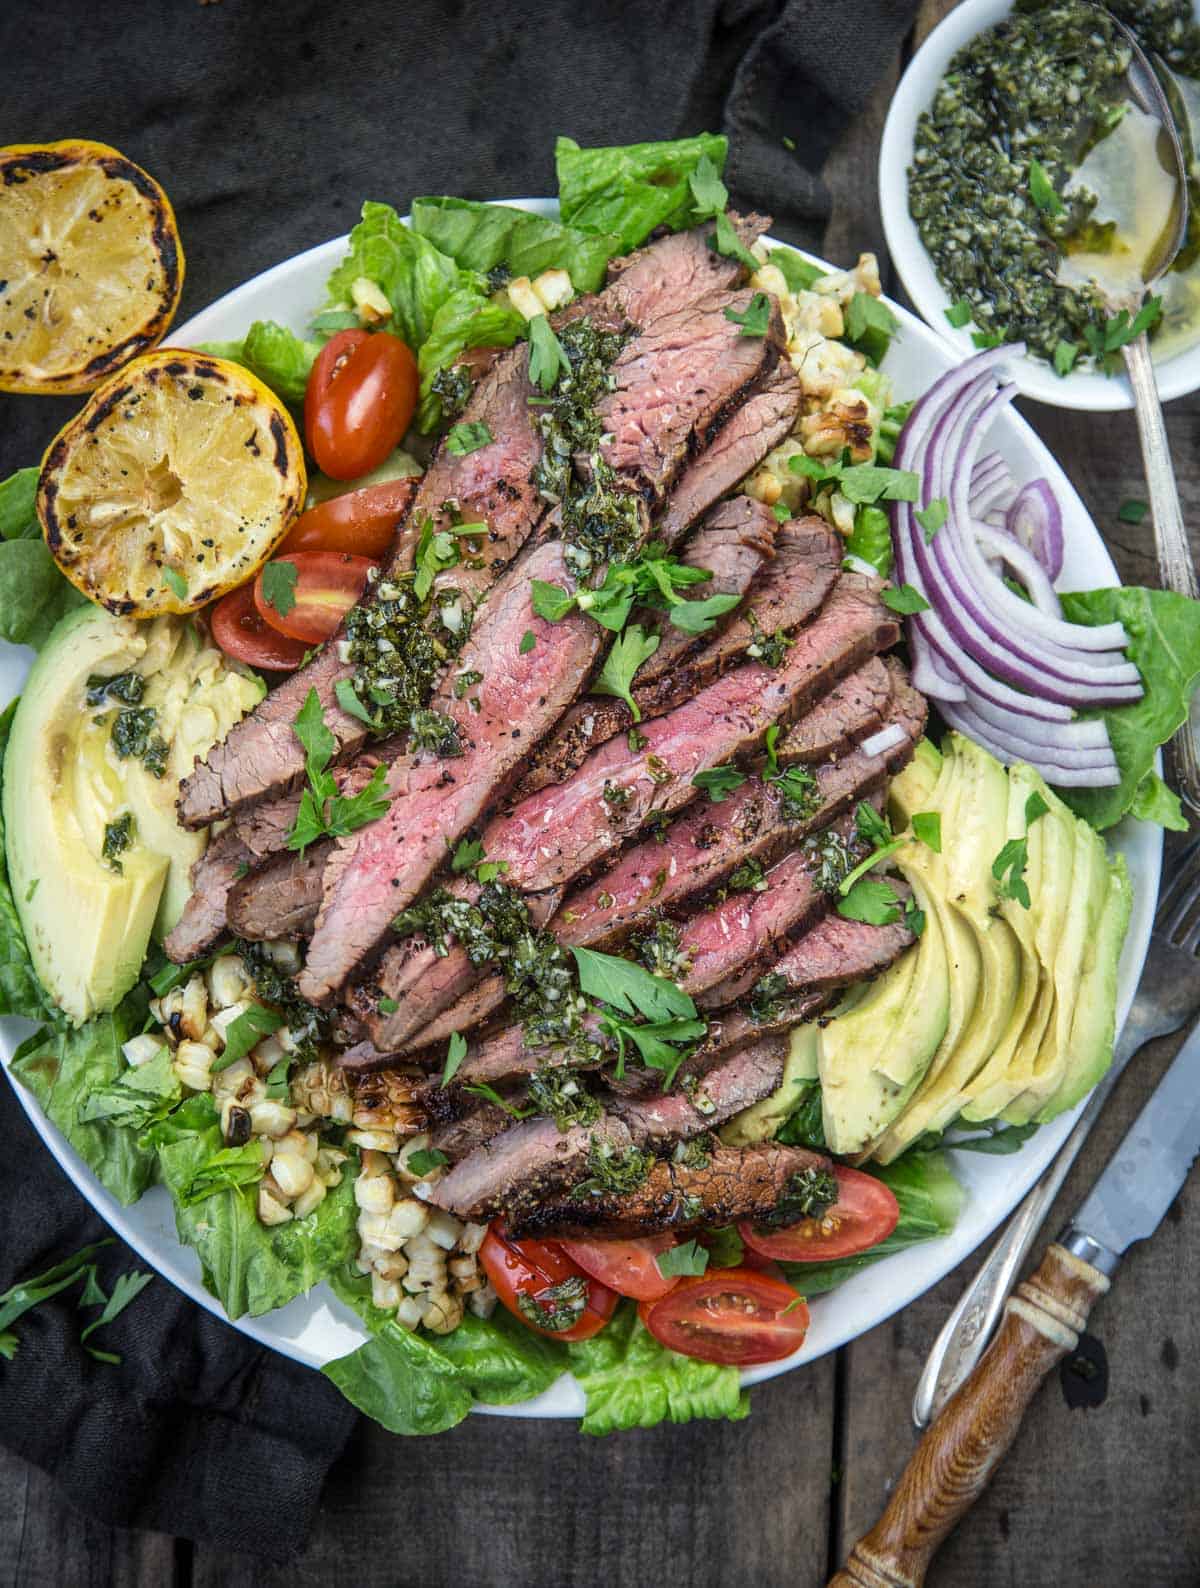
[
  {"x": 1164, "y": 644},
  {"x": 65, "y": 1068},
  {"x": 20, "y": 991},
  {"x": 412, "y": 1384},
  {"x": 416, "y": 277},
  {"x": 871, "y": 539},
  {"x": 482, "y": 236},
  {"x": 33, "y": 593},
  {"x": 279, "y": 358},
  {"x": 795, "y": 269},
  {"x": 633, "y": 1382},
  {"x": 249, "y": 1266},
  {"x": 18, "y": 514},
  {"x": 628, "y": 191},
  {"x": 930, "y": 1201},
  {"x": 466, "y": 319},
  {"x": 139, "y": 1096}
]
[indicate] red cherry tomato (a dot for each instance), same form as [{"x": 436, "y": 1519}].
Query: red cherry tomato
[
  {"x": 361, "y": 396},
  {"x": 733, "y": 1315},
  {"x": 241, "y": 633},
  {"x": 362, "y": 522},
  {"x": 327, "y": 585},
  {"x": 864, "y": 1214},
  {"x": 628, "y": 1267},
  {"x": 530, "y": 1271}
]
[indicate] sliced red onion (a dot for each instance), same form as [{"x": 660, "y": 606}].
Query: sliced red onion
[
  {"x": 929, "y": 674},
  {"x": 992, "y": 486},
  {"x": 1007, "y": 749},
  {"x": 886, "y": 739},
  {"x": 1035, "y": 519},
  {"x": 1007, "y": 549}
]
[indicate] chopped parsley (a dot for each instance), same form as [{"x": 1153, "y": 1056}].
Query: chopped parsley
[
  {"x": 904, "y": 599},
  {"x": 424, "y": 1161},
  {"x": 719, "y": 782},
  {"x": 1008, "y": 868},
  {"x": 629, "y": 650},
  {"x": 688, "y": 1258},
  {"x": 557, "y": 1307},
  {"x": 118, "y": 836},
  {"x": 932, "y": 518},
  {"x": 757, "y": 318},
  {"x": 959, "y": 314},
  {"x": 324, "y": 812},
  {"x": 279, "y": 586},
  {"x": 528, "y": 641},
  {"x": 927, "y": 826},
  {"x": 456, "y": 1052},
  {"x": 176, "y": 583},
  {"x": 468, "y": 438}
]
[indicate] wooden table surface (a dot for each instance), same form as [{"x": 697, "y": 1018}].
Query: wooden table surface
[{"x": 1087, "y": 1498}]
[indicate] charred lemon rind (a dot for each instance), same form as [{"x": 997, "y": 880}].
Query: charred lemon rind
[
  {"x": 74, "y": 364},
  {"x": 172, "y": 485}
]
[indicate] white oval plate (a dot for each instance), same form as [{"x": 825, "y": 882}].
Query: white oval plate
[
  {"x": 1083, "y": 389},
  {"x": 316, "y": 1328}
]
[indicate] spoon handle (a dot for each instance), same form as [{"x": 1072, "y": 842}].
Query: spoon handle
[{"x": 1176, "y": 571}]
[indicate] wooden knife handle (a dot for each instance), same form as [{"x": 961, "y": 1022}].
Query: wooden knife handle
[{"x": 951, "y": 1466}]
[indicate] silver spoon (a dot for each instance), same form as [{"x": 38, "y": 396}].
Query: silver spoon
[{"x": 1176, "y": 570}]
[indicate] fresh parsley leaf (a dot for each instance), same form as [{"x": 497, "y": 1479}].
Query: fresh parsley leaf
[
  {"x": 782, "y": 512},
  {"x": 550, "y": 601},
  {"x": 1001, "y": 1139},
  {"x": 467, "y": 438},
  {"x": 489, "y": 870},
  {"x": 709, "y": 193},
  {"x": 927, "y": 826},
  {"x": 437, "y": 550},
  {"x": 871, "y": 539},
  {"x": 347, "y": 699},
  {"x": 872, "y": 901},
  {"x": 528, "y": 641},
  {"x": 424, "y": 1161},
  {"x": 697, "y": 617},
  {"x": 726, "y": 241},
  {"x": 869, "y": 482},
  {"x": 689, "y": 1257},
  {"x": 914, "y": 917},
  {"x": 175, "y": 581},
  {"x": 986, "y": 339},
  {"x": 797, "y": 272},
  {"x": 244, "y": 1033},
  {"x": 127, "y": 1288},
  {"x": 547, "y": 361},
  {"x": 757, "y": 317},
  {"x": 932, "y": 518},
  {"x": 630, "y": 989},
  {"x": 387, "y": 1006},
  {"x": 467, "y": 855},
  {"x": 960, "y": 313},
  {"x": 279, "y": 586},
  {"x": 872, "y": 828},
  {"x": 904, "y": 599},
  {"x": 628, "y": 652},
  {"x": 870, "y": 326},
  {"x": 455, "y": 1054},
  {"x": 1008, "y": 868},
  {"x": 8, "y": 1344},
  {"x": 656, "y": 1041},
  {"x": 788, "y": 143},
  {"x": 491, "y": 1095},
  {"x": 1065, "y": 355},
  {"x": 1132, "y": 511},
  {"x": 1035, "y": 806},
  {"x": 331, "y": 320},
  {"x": 323, "y": 811},
  {"x": 1042, "y": 191},
  {"x": 719, "y": 782}
]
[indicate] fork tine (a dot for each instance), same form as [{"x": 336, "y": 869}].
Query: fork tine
[{"x": 1182, "y": 889}]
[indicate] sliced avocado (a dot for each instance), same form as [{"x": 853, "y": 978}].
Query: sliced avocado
[
  {"x": 871, "y": 1058},
  {"x": 400, "y": 465},
  {"x": 760, "y": 1121},
  {"x": 88, "y": 924},
  {"x": 912, "y": 789},
  {"x": 1094, "y": 1024}
]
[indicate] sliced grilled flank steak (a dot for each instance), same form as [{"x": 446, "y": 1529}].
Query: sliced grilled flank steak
[
  {"x": 281, "y": 899},
  {"x": 492, "y": 485},
  {"x": 740, "y": 445},
  {"x": 377, "y": 871},
  {"x": 784, "y": 594},
  {"x": 849, "y": 713},
  {"x": 739, "y": 1080},
  {"x": 735, "y": 1183},
  {"x": 699, "y": 851},
  {"x": 531, "y": 1159},
  {"x": 203, "y": 919},
  {"x": 677, "y": 382}
]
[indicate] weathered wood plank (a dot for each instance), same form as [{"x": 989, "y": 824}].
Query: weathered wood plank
[
  {"x": 46, "y": 1544},
  {"x": 506, "y": 1502}
]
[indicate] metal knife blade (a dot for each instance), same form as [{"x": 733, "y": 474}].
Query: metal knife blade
[{"x": 1144, "y": 1175}]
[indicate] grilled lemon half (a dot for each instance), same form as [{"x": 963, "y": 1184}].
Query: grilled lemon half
[
  {"x": 90, "y": 265},
  {"x": 172, "y": 485}
]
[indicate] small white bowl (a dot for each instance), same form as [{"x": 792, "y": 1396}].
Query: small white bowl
[{"x": 1096, "y": 393}]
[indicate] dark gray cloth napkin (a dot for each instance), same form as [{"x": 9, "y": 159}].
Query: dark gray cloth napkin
[{"x": 268, "y": 124}]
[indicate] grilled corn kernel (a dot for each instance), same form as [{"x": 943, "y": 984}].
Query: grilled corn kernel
[
  {"x": 308, "y": 1201},
  {"x": 462, "y": 1268},
  {"x": 407, "y": 1218},
  {"x": 224, "y": 1018},
  {"x": 379, "y": 1140},
  {"x": 409, "y": 1312},
  {"x": 271, "y": 1119},
  {"x": 284, "y": 955},
  {"x": 416, "y": 1143},
  {"x": 265, "y": 1055},
  {"x": 523, "y": 298},
  {"x": 227, "y": 981},
  {"x": 293, "y": 1174},
  {"x": 329, "y": 1166},
  {"x": 193, "y": 1065},
  {"x": 370, "y": 302},
  {"x": 482, "y": 1302},
  {"x": 390, "y": 1265},
  {"x": 385, "y": 1293},
  {"x": 443, "y": 1229},
  {"x": 472, "y": 1237},
  {"x": 372, "y": 1228},
  {"x": 374, "y": 1193},
  {"x": 443, "y": 1314},
  {"x": 270, "y": 1209},
  {"x": 193, "y": 1015},
  {"x": 553, "y": 288},
  {"x": 140, "y": 1050}
]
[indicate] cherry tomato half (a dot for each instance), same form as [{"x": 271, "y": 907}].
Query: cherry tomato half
[
  {"x": 361, "y": 396},
  {"x": 732, "y": 1315},
  {"x": 326, "y": 586},
  {"x": 361, "y": 522},
  {"x": 241, "y": 633},
  {"x": 864, "y": 1214},
  {"x": 532, "y": 1272},
  {"x": 628, "y": 1267}
]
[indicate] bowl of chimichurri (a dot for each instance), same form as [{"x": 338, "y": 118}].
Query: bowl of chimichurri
[{"x": 1013, "y": 167}]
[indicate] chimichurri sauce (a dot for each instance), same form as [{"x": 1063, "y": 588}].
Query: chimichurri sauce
[{"x": 990, "y": 187}]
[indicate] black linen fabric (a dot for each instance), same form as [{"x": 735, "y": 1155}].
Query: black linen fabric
[{"x": 268, "y": 124}]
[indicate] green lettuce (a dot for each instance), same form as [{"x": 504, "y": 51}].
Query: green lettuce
[
  {"x": 633, "y": 1382},
  {"x": 795, "y": 269},
  {"x": 20, "y": 991},
  {"x": 466, "y": 319},
  {"x": 411, "y": 1384},
  {"x": 18, "y": 510},
  {"x": 415, "y": 277},
  {"x": 627, "y": 192},
  {"x": 33, "y": 593},
  {"x": 1164, "y": 644},
  {"x": 66, "y": 1068},
  {"x": 930, "y": 1201},
  {"x": 279, "y": 358},
  {"x": 250, "y": 1267},
  {"x": 139, "y": 1096},
  {"x": 482, "y": 236},
  {"x": 871, "y": 539}
]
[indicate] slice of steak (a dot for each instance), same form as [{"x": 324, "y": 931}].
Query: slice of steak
[
  {"x": 212, "y": 876},
  {"x": 561, "y": 831},
  {"x": 739, "y": 1080},
  {"x": 849, "y": 713},
  {"x": 281, "y": 899},
  {"x": 736, "y": 1183},
  {"x": 734, "y": 451},
  {"x": 377, "y": 871},
  {"x": 531, "y": 1159},
  {"x": 261, "y": 755},
  {"x": 675, "y": 383},
  {"x": 735, "y": 542},
  {"x": 458, "y": 1135}
]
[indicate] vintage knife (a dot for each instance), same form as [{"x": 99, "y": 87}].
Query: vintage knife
[{"x": 1042, "y": 1321}]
